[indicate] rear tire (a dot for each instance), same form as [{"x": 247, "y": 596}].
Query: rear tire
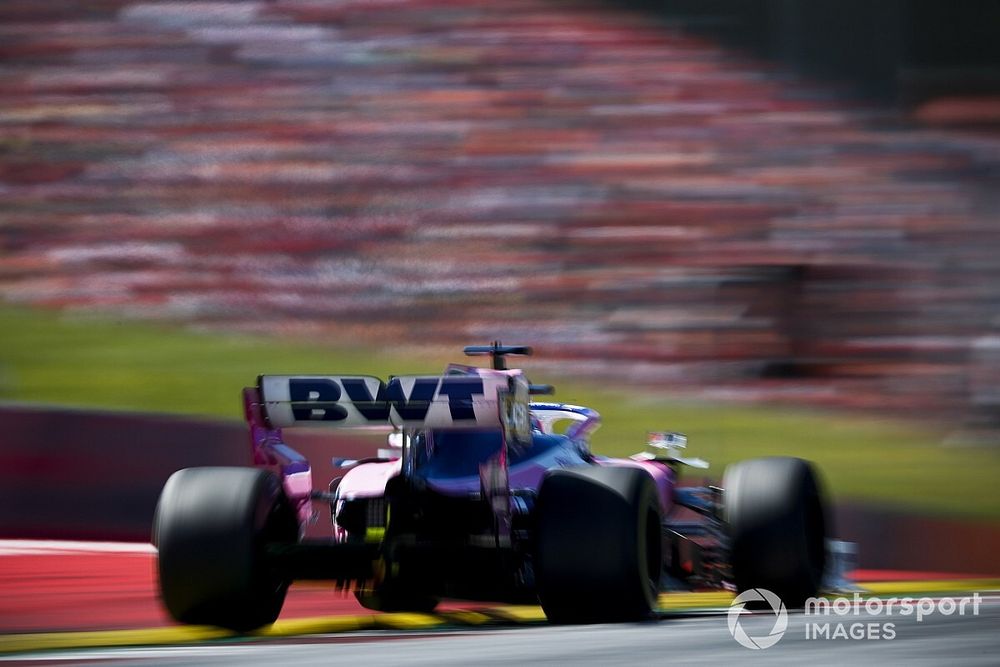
[
  {"x": 777, "y": 526},
  {"x": 210, "y": 529},
  {"x": 599, "y": 545}
]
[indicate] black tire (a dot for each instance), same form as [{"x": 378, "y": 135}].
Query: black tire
[
  {"x": 210, "y": 528},
  {"x": 599, "y": 545},
  {"x": 777, "y": 525}
]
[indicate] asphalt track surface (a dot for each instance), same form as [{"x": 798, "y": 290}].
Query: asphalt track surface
[
  {"x": 704, "y": 639},
  {"x": 692, "y": 629}
]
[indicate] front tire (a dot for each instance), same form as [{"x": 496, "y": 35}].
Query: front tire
[
  {"x": 210, "y": 529},
  {"x": 777, "y": 525},
  {"x": 598, "y": 555}
]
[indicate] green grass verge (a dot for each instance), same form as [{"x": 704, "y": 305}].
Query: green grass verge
[{"x": 50, "y": 358}]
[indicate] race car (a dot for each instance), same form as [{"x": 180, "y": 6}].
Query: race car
[{"x": 481, "y": 494}]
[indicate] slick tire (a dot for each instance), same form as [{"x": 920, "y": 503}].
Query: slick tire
[
  {"x": 210, "y": 529},
  {"x": 777, "y": 524},
  {"x": 599, "y": 545}
]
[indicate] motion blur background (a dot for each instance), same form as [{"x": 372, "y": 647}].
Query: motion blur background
[{"x": 772, "y": 224}]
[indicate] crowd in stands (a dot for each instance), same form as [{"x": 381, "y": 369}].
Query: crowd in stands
[{"x": 635, "y": 201}]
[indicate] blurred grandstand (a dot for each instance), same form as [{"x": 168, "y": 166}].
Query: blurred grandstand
[{"x": 602, "y": 181}]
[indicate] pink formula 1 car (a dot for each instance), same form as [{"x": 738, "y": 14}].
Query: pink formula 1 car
[{"x": 482, "y": 495}]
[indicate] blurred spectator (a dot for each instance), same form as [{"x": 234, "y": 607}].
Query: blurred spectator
[{"x": 577, "y": 176}]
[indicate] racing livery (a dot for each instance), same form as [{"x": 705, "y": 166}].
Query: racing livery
[{"x": 482, "y": 494}]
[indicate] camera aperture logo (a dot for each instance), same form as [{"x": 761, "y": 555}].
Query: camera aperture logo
[{"x": 738, "y": 612}]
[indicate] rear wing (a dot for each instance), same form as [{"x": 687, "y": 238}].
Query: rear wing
[{"x": 412, "y": 401}]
